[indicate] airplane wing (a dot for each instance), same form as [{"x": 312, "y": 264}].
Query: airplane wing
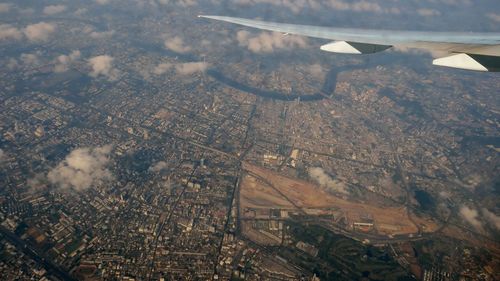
[{"x": 471, "y": 51}]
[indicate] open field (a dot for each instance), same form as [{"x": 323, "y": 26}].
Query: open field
[{"x": 264, "y": 189}]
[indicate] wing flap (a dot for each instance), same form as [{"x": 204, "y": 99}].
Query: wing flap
[
  {"x": 461, "y": 61},
  {"x": 344, "y": 47},
  {"x": 470, "y": 62}
]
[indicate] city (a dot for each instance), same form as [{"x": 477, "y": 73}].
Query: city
[{"x": 138, "y": 142}]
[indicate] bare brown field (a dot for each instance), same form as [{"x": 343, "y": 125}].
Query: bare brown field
[
  {"x": 258, "y": 237},
  {"x": 255, "y": 194},
  {"x": 288, "y": 193}
]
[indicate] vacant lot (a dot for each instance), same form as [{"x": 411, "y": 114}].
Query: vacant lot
[{"x": 263, "y": 188}]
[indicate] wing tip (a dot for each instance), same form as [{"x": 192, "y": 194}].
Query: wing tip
[
  {"x": 219, "y": 18},
  {"x": 208, "y": 16}
]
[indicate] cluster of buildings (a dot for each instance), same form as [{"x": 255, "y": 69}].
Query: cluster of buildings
[{"x": 169, "y": 211}]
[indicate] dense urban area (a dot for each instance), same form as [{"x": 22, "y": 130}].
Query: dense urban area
[{"x": 139, "y": 142}]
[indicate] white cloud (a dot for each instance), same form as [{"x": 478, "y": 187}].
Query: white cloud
[
  {"x": 102, "y": 34},
  {"x": 176, "y": 44},
  {"x": 63, "y": 62},
  {"x": 82, "y": 168},
  {"x": 452, "y": 2},
  {"x": 39, "y": 31},
  {"x": 187, "y": 68},
  {"x": 12, "y": 64},
  {"x": 471, "y": 216},
  {"x": 27, "y": 11},
  {"x": 494, "y": 17},
  {"x": 293, "y": 5},
  {"x": 103, "y": 65},
  {"x": 191, "y": 68},
  {"x": 5, "y": 7},
  {"x": 323, "y": 179},
  {"x": 54, "y": 9},
  {"x": 316, "y": 71},
  {"x": 38, "y": 182},
  {"x": 445, "y": 194},
  {"x": 81, "y": 11},
  {"x": 25, "y": 60},
  {"x": 162, "y": 68},
  {"x": 184, "y": 3},
  {"x": 7, "y": 32},
  {"x": 158, "y": 166},
  {"x": 364, "y": 6},
  {"x": 428, "y": 12},
  {"x": 98, "y": 34},
  {"x": 102, "y": 2},
  {"x": 34, "y": 32},
  {"x": 491, "y": 218},
  {"x": 267, "y": 42},
  {"x": 361, "y": 6},
  {"x": 187, "y": 3},
  {"x": 413, "y": 51},
  {"x": 30, "y": 59}
]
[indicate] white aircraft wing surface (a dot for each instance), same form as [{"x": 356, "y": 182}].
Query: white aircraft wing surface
[{"x": 471, "y": 51}]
